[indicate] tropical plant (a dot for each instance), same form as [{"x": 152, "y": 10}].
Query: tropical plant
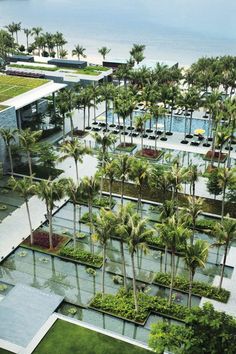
[
  {"x": 104, "y": 51},
  {"x": 192, "y": 212},
  {"x": 195, "y": 256},
  {"x": 26, "y": 189},
  {"x": 103, "y": 229},
  {"x": 79, "y": 51},
  {"x": 123, "y": 168},
  {"x": 8, "y": 136}
]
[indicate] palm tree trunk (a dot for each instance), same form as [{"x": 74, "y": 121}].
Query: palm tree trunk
[
  {"x": 84, "y": 108},
  {"x": 124, "y": 131},
  {"x": 91, "y": 225},
  {"x": 71, "y": 127},
  {"x": 76, "y": 170},
  {"x": 190, "y": 288},
  {"x": 103, "y": 269},
  {"x": 122, "y": 191},
  {"x": 131, "y": 126},
  {"x": 172, "y": 276},
  {"x": 30, "y": 164},
  {"x": 123, "y": 263},
  {"x": 223, "y": 203},
  {"x": 50, "y": 229},
  {"x": 223, "y": 265},
  {"x": 74, "y": 226},
  {"x": 110, "y": 194},
  {"x": 64, "y": 128},
  {"x": 134, "y": 283},
  {"x": 30, "y": 224},
  {"x": 10, "y": 159},
  {"x": 166, "y": 254}
]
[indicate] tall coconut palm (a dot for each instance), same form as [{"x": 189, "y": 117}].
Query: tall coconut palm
[
  {"x": 50, "y": 192},
  {"x": 26, "y": 189},
  {"x": 211, "y": 103},
  {"x": 105, "y": 141},
  {"x": 140, "y": 124},
  {"x": 137, "y": 240},
  {"x": 173, "y": 233},
  {"x": 73, "y": 191},
  {"x": 79, "y": 51},
  {"x": 28, "y": 142},
  {"x": 103, "y": 229},
  {"x": 195, "y": 256},
  {"x": 123, "y": 108},
  {"x": 89, "y": 189},
  {"x": 157, "y": 111},
  {"x": 8, "y": 136},
  {"x": 110, "y": 174},
  {"x": 225, "y": 233},
  {"x": 193, "y": 178},
  {"x": 27, "y": 33},
  {"x": 74, "y": 149},
  {"x": 123, "y": 168},
  {"x": 137, "y": 51},
  {"x": 222, "y": 135},
  {"x": 178, "y": 175},
  {"x": 107, "y": 92},
  {"x": 36, "y": 31},
  {"x": 104, "y": 51},
  {"x": 140, "y": 172},
  {"x": 226, "y": 177},
  {"x": 192, "y": 212}
]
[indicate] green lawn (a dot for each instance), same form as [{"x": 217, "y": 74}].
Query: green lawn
[
  {"x": 2, "y": 107},
  {"x": 67, "y": 338},
  {"x": 11, "y": 86},
  {"x": 3, "y": 351},
  {"x": 33, "y": 67}
]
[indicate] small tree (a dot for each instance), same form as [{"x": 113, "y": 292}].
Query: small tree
[
  {"x": 8, "y": 136},
  {"x": 104, "y": 51}
]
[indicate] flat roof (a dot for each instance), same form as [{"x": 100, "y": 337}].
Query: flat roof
[
  {"x": 33, "y": 95},
  {"x": 67, "y": 61},
  {"x": 152, "y": 63}
]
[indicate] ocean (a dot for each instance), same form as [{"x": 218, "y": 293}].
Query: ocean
[{"x": 174, "y": 30}]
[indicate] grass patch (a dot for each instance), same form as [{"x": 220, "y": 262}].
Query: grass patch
[
  {"x": 33, "y": 67},
  {"x": 149, "y": 154},
  {"x": 81, "y": 256},
  {"x": 2, "y": 107},
  {"x": 127, "y": 147},
  {"x": 198, "y": 289},
  {"x": 11, "y": 86},
  {"x": 67, "y": 338}
]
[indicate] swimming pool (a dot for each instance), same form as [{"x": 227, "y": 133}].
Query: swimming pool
[{"x": 178, "y": 123}]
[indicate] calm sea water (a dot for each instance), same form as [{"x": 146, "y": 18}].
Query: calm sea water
[{"x": 179, "y": 30}]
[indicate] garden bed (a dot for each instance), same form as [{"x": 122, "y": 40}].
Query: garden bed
[
  {"x": 149, "y": 154},
  {"x": 217, "y": 156},
  {"x": 122, "y": 305},
  {"x": 81, "y": 256},
  {"x": 80, "y": 133},
  {"x": 41, "y": 241},
  {"x": 198, "y": 289},
  {"x": 127, "y": 147}
]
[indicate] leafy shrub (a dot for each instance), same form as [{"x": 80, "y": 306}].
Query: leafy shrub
[
  {"x": 41, "y": 239},
  {"x": 117, "y": 279},
  {"x": 82, "y": 256},
  {"x": 86, "y": 218},
  {"x": 91, "y": 271},
  {"x": 103, "y": 202},
  {"x": 3, "y": 287},
  {"x": 205, "y": 224},
  {"x": 199, "y": 288}
]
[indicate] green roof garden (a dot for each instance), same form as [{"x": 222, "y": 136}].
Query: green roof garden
[
  {"x": 2, "y": 107},
  {"x": 12, "y": 86},
  {"x": 93, "y": 70}
]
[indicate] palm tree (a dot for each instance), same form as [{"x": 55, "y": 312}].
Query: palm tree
[
  {"x": 36, "y": 31},
  {"x": 104, "y": 51},
  {"x": 26, "y": 189},
  {"x": 110, "y": 173},
  {"x": 173, "y": 233},
  {"x": 137, "y": 240},
  {"x": 89, "y": 189},
  {"x": 11, "y": 29},
  {"x": 193, "y": 178},
  {"x": 74, "y": 149},
  {"x": 73, "y": 191},
  {"x": 50, "y": 192},
  {"x": 157, "y": 111},
  {"x": 123, "y": 108},
  {"x": 28, "y": 141},
  {"x": 140, "y": 172},
  {"x": 140, "y": 124},
  {"x": 226, "y": 177},
  {"x": 123, "y": 169},
  {"x": 225, "y": 233},
  {"x": 222, "y": 134},
  {"x": 103, "y": 229},
  {"x": 195, "y": 256},
  {"x": 8, "y": 135},
  {"x": 192, "y": 212},
  {"x": 211, "y": 103},
  {"x": 178, "y": 175},
  {"x": 79, "y": 51},
  {"x": 107, "y": 92},
  {"x": 14, "y": 28},
  {"x": 136, "y": 52},
  {"x": 105, "y": 141},
  {"x": 27, "y": 33}
]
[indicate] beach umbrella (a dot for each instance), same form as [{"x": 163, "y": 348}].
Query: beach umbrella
[
  {"x": 199, "y": 131},
  {"x": 101, "y": 119}
]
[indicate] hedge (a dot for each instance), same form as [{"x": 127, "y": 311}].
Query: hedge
[{"x": 82, "y": 256}]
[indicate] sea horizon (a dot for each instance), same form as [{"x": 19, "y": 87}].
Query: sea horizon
[{"x": 172, "y": 30}]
